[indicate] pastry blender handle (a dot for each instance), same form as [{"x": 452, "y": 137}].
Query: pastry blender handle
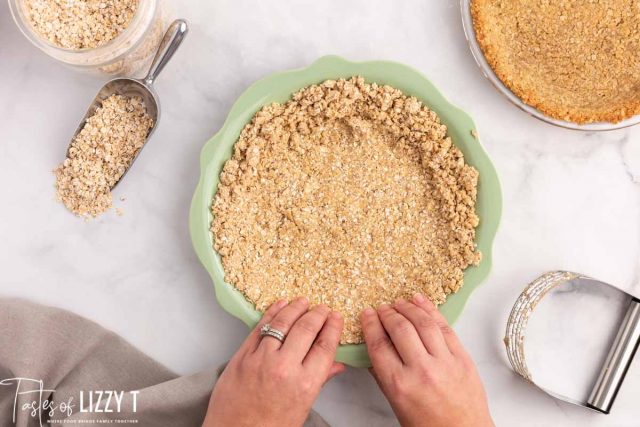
[{"x": 618, "y": 360}]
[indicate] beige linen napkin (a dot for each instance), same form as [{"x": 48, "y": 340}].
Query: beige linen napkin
[{"x": 75, "y": 358}]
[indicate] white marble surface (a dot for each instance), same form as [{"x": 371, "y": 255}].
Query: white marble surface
[{"x": 571, "y": 200}]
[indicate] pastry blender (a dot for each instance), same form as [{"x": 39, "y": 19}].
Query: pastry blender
[{"x": 618, "y": 360}]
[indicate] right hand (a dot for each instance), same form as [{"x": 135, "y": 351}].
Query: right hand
[{"x": 421, "y": 366}]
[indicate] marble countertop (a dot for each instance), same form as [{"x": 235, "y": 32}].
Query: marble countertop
[{"x": 571, "y": 199}]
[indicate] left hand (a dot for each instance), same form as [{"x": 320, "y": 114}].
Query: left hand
[{"x": 269, "y": 383}]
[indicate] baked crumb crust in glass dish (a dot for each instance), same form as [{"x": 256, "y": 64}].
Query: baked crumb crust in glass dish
[{"x": 573, "y": 64}]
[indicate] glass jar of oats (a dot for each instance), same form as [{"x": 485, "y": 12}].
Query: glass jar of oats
[{"x": 116, "y": 37}]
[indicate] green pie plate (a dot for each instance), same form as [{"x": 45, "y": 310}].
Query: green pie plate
[{"x": 278, "y": 88}]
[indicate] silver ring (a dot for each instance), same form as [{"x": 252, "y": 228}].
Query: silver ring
[{"x": 267, "y": 330}]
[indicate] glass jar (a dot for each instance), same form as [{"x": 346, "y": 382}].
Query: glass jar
[{"x": 126, "y": 54}]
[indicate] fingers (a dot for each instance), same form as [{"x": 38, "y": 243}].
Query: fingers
[
  {"x": 304, "y": 332},
  {"x": 379, "y": 346},
  {"x": 283, "y": 321},
  {"x": 403, "y": 335},
  {"x": 323, "y": 350},
  {"x": 449, "y": 335},
  {"x": 253, "y": 340},
  {"x": 427, "y": 327}
]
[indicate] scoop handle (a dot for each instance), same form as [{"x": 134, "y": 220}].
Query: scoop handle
[{"x": 168, "y": 46}]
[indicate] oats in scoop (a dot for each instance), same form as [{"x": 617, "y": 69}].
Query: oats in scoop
[{"x": 101, "y": 153}]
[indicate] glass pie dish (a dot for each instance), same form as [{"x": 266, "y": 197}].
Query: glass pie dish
[{"x": 478, "y": 55}]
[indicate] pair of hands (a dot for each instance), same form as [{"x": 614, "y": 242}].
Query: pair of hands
[{"x": 418, "y": 362}]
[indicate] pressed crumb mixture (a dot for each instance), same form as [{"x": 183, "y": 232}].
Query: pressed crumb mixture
[
  {"x": 573, "y": 60},
  {"x": 80, "y": 24},
  {"x": 350, "y": 194},
  {"x": 101, "y": 153}
]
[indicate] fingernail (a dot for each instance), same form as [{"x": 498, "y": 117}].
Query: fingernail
[
  {"x": 384, "y": 307},
  {"x": 368, "y": 312},
  {"x": 302, "y": 300},
  {"x": 419, "y": 298},
  {"x": 336, "y": 315},
  {"x": 281, "y": 303},
  {"x": 401, "y": 301}
]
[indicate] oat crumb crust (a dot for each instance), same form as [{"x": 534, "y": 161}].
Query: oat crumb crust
[
  {"x": 350, "y": 194},
  {"x": 101, "y": 153},
  {"x": 574, "y": 60}
]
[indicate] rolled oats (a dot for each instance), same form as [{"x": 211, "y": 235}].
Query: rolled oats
[
  {"x": 101, "y": 153},
  {"x": 80, "y": 24}
]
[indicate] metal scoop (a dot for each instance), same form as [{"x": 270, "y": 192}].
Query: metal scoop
[{"x": 141, "y": 87}]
